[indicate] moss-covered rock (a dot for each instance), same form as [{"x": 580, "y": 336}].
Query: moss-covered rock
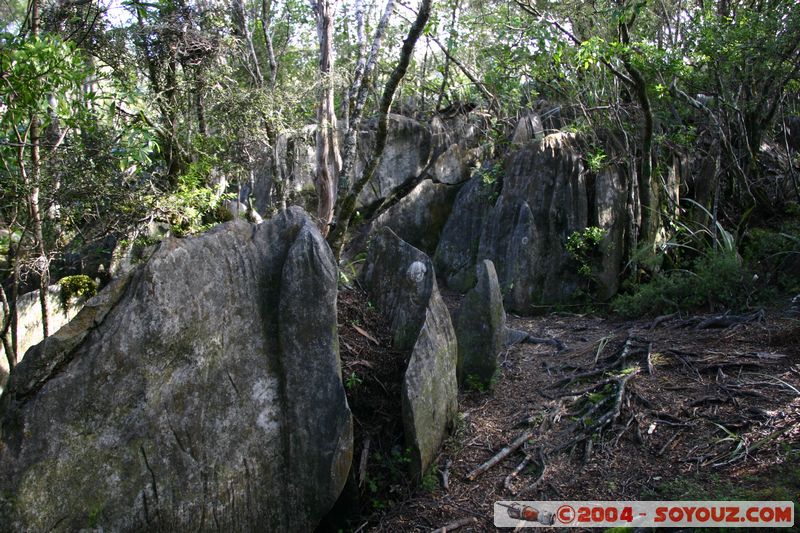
[
  {"x": 402, "y": 283},
  {"x": 200, "y": 391},
  {"x": 480, "y": 329}
]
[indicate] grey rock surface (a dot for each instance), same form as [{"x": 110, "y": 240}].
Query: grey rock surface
[
  {"x": 543, "y": 201},
  {"x": 401, "y": 282},
  {"x": 418, "y": 218},
  {"x": 291, "y": 165},
  {"x": 480, "y": 329},
  {"x": 528, "y": 129},
  {"x": 29, "y": 322},
  {"x": 200, "y": 391},
  {"x": 457, "y": 252}
]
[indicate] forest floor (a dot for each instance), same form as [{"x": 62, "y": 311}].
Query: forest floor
[{"x": 681, "y": 409}]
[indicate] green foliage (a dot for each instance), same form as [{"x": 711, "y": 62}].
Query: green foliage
[
  {"x": 79, "y": 286},
  {"x": 596, "y": 160},
  {"x": 194, "y": 206},
  {"x": 430, "y": 481},
  {"x": 584, "y": 247},
  {"x": 353, "y": 381},
  {"x": 492, "y": 176},
  {"x": 717, "y": 280},
  {"x": 771, "y": 252}
]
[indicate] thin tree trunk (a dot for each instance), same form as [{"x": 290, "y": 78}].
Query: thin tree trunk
[
  {"x": 361, "y": 90},
  {"x": 448, "y": 53},
  {"x": 266, "y": 17},
  {"x": 345, "y": 209},
  {"x": 8, "y": 320},
  {"x": 34, "y": 182},
  {"x": 328, "y": 161}
]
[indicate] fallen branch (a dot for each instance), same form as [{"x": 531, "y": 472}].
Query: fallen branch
[
  {"x": 660, "y": 319},
  {"x": 514, "y": 473},
  {"x": 720, "y": 321},
  {"x": 362, "y": 467},
  {"x": 539, "y": 479},
  {"x": 457, "y": 524},
  {"x": 502, "y": 454}
]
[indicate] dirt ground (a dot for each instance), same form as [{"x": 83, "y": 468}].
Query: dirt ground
[{"x": 681, "y": 408}]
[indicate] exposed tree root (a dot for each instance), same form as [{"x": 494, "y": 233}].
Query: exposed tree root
[
  {"x": 720, "y": 321},
  {"x": 515, "y": 336}
]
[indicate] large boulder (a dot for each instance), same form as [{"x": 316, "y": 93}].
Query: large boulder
[
  {"x": 402, "y": 284},
  {"x": 544, "y": 200},
  {"x": 480, "y": 330},
  {"x": 200, "y": 391},
  {"x": 407, "y": 153},
  {"x": 457, "y": 252},
  {"x": 528, "y": 129}
]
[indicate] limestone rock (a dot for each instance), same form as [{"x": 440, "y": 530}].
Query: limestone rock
[
  {"x": 290, "y": 168},
  {"x": 418, "y": 218},
  {"x": 452, "y": 166},
  {"x": 29, "y": 328},
  {"x": 200, "y": 391},
  {"x": 543, "y": 201},
  {"x": 611, "y": 208},
  {"x": 402, "y": 284},
  {"x": 529, "y": 128},
  {"x": 457, "y": 251},
  {"x": 408, "y": 150},
  {"x": 480, "y": 329}
]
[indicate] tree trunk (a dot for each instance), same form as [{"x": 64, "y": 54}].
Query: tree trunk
[
  {"x": 266, "y": 16},
  {"x": 328, "y": 161},
  {"x": 360, "y": 89},
  {"x": 345, "y": 209}
]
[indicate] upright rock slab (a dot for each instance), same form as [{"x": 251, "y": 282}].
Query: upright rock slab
[
  {"x": 202, "y": 391},
  {"x": 402, "y": 284},
  {"x": 480, "y": 329},
  {"x": 457, "y": 252}
]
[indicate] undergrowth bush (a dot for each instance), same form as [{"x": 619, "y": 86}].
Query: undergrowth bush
[{"x": 717, "y": 280}]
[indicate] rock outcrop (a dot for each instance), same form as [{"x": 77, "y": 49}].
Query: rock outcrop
[
  {"x": 457, "y": 252},
  {"x": 480, "y": 329},
  {"x": 418, "y": 218},
  {"x": 528, "y": 129},
  {"x": 402, "y": 284},
  {"x": 544, "y": 200},
  {"x": 200, "y": 391},
  {"x": 29, "y": 320},
  {"x": 290, "y": 168}
]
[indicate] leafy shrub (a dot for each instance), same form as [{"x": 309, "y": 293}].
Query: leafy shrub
[
  {"x": 718, "y": 279},
  {"x": 79, "y": 286},
  {"x": 584, "y": 247}
]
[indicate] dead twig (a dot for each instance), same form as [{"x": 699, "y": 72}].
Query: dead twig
[{"x": 446, "y": 475}]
